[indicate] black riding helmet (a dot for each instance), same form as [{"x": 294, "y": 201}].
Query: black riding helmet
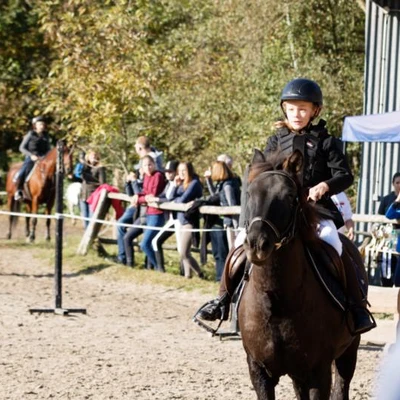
[
  {"x": 304, "y": 90},
  {"x": 39, "y": 118}
]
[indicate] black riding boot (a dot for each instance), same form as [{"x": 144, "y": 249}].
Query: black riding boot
[
  {"x": 216, "y": 309},
  {"x": 18, "y": 195},
  {"x": 160, "y": 260}
]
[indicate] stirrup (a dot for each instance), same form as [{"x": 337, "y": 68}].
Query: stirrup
[
  {"x": 364, "y": 329},
  {"x": 202, "y": 324}
]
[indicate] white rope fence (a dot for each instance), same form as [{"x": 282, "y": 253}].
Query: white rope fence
[{"x": 105, "y": 222}]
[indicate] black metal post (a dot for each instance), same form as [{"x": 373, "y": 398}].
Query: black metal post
[
  {"x": 59, "y": 225},
  {"x": 59, "y": 240}
]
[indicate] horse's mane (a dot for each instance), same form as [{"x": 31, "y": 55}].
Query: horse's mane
[
  {"x": 308, "y": 217},
  {"x": 274, "y": 162}
]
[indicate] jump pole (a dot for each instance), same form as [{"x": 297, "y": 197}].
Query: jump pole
[{"x": 58, "y": 309}]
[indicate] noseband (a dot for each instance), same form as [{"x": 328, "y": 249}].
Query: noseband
[{"x": 288, "y": 234}]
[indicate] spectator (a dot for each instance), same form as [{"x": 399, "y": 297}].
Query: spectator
[
  {"x": 226, "y": 192},
  {"x": 393, "y": 212},
  {"x": 131, "y": 213},
  {"x": 153, "y": 185},
  {"x": 391, "y": 197},
  {"x": 93, "y": 175},
  {"x": 143, "y": 148},
  {"x": 228, "y": 160},
  {"x": 77, "y": 175},
  {"x": 170, "y": 216},
  {"x": 343, "y": 205},
  {"x": 187, "y": 188},
  {"x": 386, "y": 202}
]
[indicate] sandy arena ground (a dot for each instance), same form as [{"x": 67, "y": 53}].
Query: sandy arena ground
[{"x": 135, "y": 342}]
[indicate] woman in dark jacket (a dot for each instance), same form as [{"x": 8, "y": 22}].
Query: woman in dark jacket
[
  {"x": 225, "y": 191},
  {"x": 187, "y": 188}
]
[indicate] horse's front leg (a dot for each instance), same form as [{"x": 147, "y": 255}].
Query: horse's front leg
[
  {"x": 48, "y": 221},
  {"x": 27, "y": 226},
  {"x": 263, "y": 384},
  {"x": 34, "y": 210},
  {"x": 318, "y": 386},
  {"x": 27, "y": 220},
  {"x": 345, "y": 366},
  {"x": 10, "y": 206}
]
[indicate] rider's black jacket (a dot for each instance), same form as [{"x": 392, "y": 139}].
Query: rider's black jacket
[
  {"x": 324, "y": 161},
  {"x": 34, "y": 144}
]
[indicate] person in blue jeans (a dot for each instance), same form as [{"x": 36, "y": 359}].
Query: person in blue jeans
[
  {"x": 153, "y": 185},
  {"x": 393, "y": 212},
  {"x": 224, "y": 191},
  {"x": 132, "y": 187}
]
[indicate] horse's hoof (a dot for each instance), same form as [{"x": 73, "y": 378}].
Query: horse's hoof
[
  {"x": 9, "y": 236},
  {"x": 47, "y": 238}
]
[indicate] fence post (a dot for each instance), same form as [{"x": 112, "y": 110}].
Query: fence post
[{"x": 93, "y": 228}]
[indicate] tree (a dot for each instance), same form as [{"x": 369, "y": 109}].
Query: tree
[{"x": 22, "y": 57}]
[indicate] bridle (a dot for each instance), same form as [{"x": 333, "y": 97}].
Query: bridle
[{"x": 287, "y": 235}]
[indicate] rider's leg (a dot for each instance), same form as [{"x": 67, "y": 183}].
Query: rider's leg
[
  {"x": 357, "y": 300},
  {"x": 328, "y": 233},
  {"x": 23, "y": 172},
  {"x": 233, "y": 273},
  {"x": 361, "y": 317}
]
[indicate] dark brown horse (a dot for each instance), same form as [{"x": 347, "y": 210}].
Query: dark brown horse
[
  {"x": 40, "y": 189},
  {"x": 288, "y": 323}
]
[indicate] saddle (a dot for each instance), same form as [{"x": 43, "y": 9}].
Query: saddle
[
  {"x": 327, "y": 265},
  {"x": 25, "y": 188}
]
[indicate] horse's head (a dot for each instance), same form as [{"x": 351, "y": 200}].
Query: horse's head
[{"x": 274, "y": 201}]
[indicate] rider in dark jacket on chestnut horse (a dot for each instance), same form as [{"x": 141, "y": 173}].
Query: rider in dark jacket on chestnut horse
[
  {"x": 35, "y": 144},
  {"x": 325, "y": 172}
]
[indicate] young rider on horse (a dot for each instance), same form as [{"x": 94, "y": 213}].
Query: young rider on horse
[
  {"x": 325, "y": 172},
  {"x": 35, "y": 144}
]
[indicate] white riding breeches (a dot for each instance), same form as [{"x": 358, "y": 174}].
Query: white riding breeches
[
  {"x": 241, "y": 235},
  {"x": 328, "y": 233}
]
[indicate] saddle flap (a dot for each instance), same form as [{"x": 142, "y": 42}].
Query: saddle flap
[
  {"x": 329, "y": 259},
  {"x": 235, "y": 265}
]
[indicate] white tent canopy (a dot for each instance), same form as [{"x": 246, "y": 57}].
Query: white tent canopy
[{"x": 372, "y": 128}]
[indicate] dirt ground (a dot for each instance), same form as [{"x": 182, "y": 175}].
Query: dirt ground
[{"x": 135, "y": 342}]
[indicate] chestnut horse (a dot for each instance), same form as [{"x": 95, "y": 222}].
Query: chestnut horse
[
  {"x": 288, "y": 323},
  {"x": 41, "y": 190}
]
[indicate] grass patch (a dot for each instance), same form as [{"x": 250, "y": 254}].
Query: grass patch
[{"x": 93, "y": 263}]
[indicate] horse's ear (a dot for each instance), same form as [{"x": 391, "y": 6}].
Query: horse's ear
[
  {"x": 258, "y": 157},
  {"x": 294, "y": 162}
]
